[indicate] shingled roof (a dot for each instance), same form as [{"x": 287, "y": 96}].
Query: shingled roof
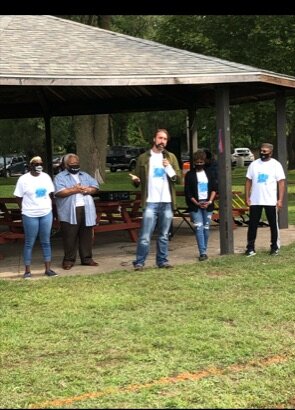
[{"x": 82, "y": 69}]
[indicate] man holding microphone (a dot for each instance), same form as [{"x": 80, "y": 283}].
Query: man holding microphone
[{"x": 157, "y": 171}]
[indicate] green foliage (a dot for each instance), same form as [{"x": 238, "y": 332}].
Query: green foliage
[
  {"x": 22, "y": 135},
  {"x": 229, "y": 37},
  {"x": 28, "y": 135},
  {"x": 265, "y": 42},
  {"x": 138, "y": 128},
  {"x": 142, "y": 26},
  {"x": 63, "y": 135}
]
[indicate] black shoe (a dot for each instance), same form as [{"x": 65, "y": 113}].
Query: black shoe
[
  {"x": 138, "y": 267},
  {"x": 27, "y": 275},
  {"x": 274, "y": 252},
  {"x": 50, "y": 273},
  {"x": 203, "y": 257}
]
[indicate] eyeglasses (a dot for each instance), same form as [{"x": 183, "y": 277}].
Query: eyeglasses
[{"x": 37, "y": 164}]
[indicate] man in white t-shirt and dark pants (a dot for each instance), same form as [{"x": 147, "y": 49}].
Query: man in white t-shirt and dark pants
[{"x": 264, "y": 188}]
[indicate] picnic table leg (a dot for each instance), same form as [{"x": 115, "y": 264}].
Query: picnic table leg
[{"x": 126, "y": 217}]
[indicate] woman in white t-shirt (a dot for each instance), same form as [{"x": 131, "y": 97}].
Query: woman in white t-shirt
[{"x": 34, "y": 189}]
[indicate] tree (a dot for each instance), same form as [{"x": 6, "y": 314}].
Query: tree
[
  {"x": 266, "y": 42},
  {"x": 91, "y": 131}
]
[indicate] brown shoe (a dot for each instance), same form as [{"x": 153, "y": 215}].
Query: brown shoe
[
  {"x": 90, "y": 263},
  {"x": 67, "y": 265}
]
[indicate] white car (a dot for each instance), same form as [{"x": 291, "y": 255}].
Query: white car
[{"x": 242, "y": 157}]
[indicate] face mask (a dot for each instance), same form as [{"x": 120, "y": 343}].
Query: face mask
[
  {"x": 74, "y": 169},
  {"x": 199, "y": 167},
  {"x": 38, "y": 168},
  {"x": 264, "y": 157}
]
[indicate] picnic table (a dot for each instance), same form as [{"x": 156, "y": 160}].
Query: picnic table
[
  {"x": 116, "y": 216},
  {"x": 240, "y": 211},
  {"x": 111, "y": 216}
]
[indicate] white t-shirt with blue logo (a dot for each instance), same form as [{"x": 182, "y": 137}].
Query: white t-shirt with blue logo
[
  {"x": 265, "y": 176},
  {"x": 202, "y": 185},
  {"x": 35, "y": 194},
  {"x": 158, "y": 186}
]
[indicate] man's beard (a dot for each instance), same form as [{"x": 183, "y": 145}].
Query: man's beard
[{"x": 160, "y": 146}]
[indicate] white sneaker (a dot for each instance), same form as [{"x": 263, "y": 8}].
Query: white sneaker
[{"x": 250, "y": 253}]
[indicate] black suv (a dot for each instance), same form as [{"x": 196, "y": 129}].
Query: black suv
[{"x": 123, "y": 157}]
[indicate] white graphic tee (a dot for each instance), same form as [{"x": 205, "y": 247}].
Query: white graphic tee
[
  {"x": 265, "y": 176},
  {"x": 158, "y": 186}
]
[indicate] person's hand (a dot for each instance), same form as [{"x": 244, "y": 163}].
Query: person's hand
[
  {"x": 248, "y": 201},
  {"x": 166, "y": 162},
  {"x": 77, "y": 188},
  {"x": 84, "y": 189},
  {"x": 134, "y": 177},
  {"x": 279, "y": 204}
]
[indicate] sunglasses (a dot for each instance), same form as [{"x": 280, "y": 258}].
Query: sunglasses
[{"x": 264, "y": 151}]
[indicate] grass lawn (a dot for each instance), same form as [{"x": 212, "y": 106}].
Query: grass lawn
[{"x": 218, "y": 334}]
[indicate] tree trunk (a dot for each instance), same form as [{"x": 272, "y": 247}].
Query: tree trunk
[{"x": 91, "y": 133}]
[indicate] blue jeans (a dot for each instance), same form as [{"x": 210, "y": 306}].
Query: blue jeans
[
  {"x": 201, "y": 221},
  {"x": 32, "y": 227},
  {"x": 160, "y": 214}
]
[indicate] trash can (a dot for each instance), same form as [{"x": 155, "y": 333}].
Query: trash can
[
  {"x": 185, "y": 168},
  {"x": 240, "y": 161}
]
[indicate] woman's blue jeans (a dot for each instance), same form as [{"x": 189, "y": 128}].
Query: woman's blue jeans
[
  {"x": 32, "y": 227},
  {"x": 201, "y": 221},
  {"x": 160, "y": 214}
]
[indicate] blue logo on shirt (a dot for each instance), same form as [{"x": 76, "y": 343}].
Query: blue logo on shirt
[
  {"x": 159, "y": 172},
  {"x": 40, "y": 192},
  {"x": 203, "y": 186},
  {"x": 262, "y": 178}
]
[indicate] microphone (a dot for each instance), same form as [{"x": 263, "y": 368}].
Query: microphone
[{"x": 164, "y": 152}]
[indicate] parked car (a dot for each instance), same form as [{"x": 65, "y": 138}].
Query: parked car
[
  {"x": 242, "y": 157},
  {"x": 15, "y": 165},
  {"x": 17, "y": 169},
  {"x": 123, "y": 157}
]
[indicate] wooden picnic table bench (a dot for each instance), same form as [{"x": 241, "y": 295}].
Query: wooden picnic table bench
[
  {"x": 11, "y": 220},
  {"x": 10, "y": 216},
  {"x": 116, "y": 216},
  {"x": 111, "y": 216},
  {"x": 240, "y": 211}
]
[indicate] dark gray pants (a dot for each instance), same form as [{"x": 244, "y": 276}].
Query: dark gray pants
[{"x": 77, "y": 237}]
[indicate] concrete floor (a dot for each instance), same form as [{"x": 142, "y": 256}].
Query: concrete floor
[{"x": 115, "y": 251}]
